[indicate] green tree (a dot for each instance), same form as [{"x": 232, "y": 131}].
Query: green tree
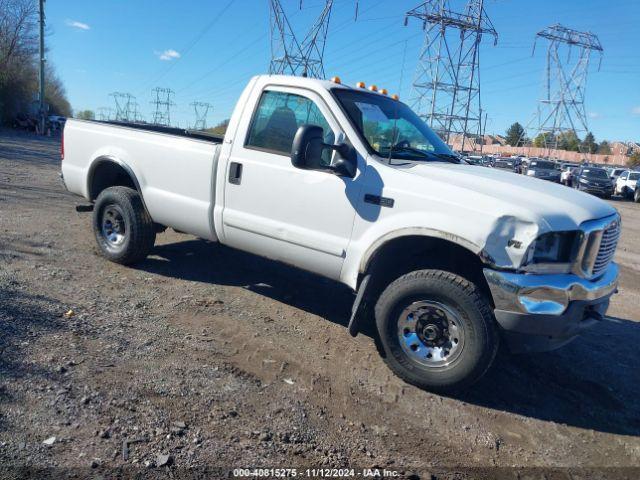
[
  {"x": 543, "y": 140},
  {"x": 634, "y": 159},
  {"x": 86, "y": 115},
  {"x": 515, "y": 135},
  {"x": 589, "y": 143},
  {"x": 604, "y": 148},
  {"x": 569, "y": 141}
]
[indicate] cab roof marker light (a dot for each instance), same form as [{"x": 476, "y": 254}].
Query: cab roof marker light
[
  {"x": 373, "y": 88},
  {"x": 384, "y": 91},
  {"x": 395, "y": 97},
  {"x": 337, "y": 80},
  {"x": 361, "y": 85}
]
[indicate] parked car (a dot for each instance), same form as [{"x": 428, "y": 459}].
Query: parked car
[
  {"x": 593, "y": 180},
  {"x": 445, "y": 259},
  {"x": 614, "y": 173},
  {"x": 505, "y": 164},
  {"x": 626, "y": 184},
  {"x": 544, "y": 170}
]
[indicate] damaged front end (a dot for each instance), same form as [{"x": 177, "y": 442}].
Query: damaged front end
[{"x": 547, "y": 287}]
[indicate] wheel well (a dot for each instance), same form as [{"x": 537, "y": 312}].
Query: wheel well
[
  {"x": 416, "y": 252},
  {"x": 108, "y": 173}
]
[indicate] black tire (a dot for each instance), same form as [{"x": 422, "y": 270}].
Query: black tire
[
  {"x": 636, "y": 195},
  {"x": 462, "y": 298},
  {"x": 122, "y": 226}
]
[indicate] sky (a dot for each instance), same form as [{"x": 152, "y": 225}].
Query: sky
[{"x": 206, "y": 50}]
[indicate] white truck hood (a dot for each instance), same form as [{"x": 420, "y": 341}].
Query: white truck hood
[
  {"x": 560, "y": 207},
  {"x": 499, "y": 212}
]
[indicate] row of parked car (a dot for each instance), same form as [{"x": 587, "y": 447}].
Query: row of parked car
[{"x": 590, "y": 178}]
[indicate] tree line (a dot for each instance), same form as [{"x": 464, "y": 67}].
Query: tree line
[
  {"x": 516, "y": 137},
  {"x": 19, "y": 64}
]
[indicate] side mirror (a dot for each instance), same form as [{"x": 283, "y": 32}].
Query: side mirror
[{"x": 308, "y": 146}]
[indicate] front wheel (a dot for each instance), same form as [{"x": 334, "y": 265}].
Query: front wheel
[
  {"x": 636, "y": 195},
  {"x": 436, "y": 330},
  {"x": 124, "y": 231}
]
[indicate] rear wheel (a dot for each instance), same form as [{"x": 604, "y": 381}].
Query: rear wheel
[
  {"x": 122, "y": 226},
  {"x": 436, "y": 330},
  {"x": 636, "y": 196}
]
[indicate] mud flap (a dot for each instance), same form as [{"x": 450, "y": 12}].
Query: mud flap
[{"x": 354, "y": 321}]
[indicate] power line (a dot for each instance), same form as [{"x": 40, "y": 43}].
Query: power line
[
  {"x": 562, "y": 109},
  {"x": 446, "y": 87},
  {"x": 163, "y": 102}
]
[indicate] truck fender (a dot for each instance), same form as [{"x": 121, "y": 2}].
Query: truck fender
[
  {"x": 358, "y": 306},
  {"x": 110, "y": 159}
]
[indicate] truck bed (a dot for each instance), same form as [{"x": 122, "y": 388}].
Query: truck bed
[{"x": 173, "y": 168}]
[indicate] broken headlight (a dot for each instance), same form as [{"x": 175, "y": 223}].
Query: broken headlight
[{"x": 552, "y": 248}]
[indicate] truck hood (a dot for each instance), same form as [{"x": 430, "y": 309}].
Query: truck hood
[{"x": 557, "y": 206}]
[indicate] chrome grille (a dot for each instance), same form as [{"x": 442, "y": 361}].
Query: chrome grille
[{"x": 608, "y": 244}]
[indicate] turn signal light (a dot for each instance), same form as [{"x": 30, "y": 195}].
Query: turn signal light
[
  {"x": 373, "y": 88},
  {"x": 361, "y": 85},
  {"x": 336, "y": 80}
]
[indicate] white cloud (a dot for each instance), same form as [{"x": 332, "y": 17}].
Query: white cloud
[
  {"x": 636, "y": 110},
  {"x": 78, "y": 25},
  {"x": 594, "y": 115},
  {"x": 168, "y": 55}
]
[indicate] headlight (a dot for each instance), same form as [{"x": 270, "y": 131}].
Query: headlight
[
  {"x": 531, "y": 173},
  {"x": 582, "y": 180},
  {"x": 552, "y": 247}
]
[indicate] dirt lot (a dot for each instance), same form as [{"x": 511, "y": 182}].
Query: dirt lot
[{"x": 210, "y": 358}]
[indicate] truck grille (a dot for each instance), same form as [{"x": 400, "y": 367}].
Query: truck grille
[{"x": 607, "y": 250}]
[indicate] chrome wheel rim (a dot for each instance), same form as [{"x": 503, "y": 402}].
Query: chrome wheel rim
[
  {"x": 431, "y": 334},
  {"x": 114, "y": 229}
]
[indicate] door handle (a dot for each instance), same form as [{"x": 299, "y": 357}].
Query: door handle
[{"x": 235, "y": 173}]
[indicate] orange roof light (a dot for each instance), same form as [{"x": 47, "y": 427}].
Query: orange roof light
[
  {"x": 336, "y": 80},
  {"x": 384, "y": 91},
  {"x": 395, "y": 97},
  {"x": 373, "y": 88},
  {"x": 361, "y": 85}
]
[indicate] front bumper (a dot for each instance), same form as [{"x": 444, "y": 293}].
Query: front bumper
[
  {"x": 602, "y": 190},
  {"x": 544, "y": 312}
]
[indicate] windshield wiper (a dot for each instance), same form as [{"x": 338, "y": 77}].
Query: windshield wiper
[{"x": 449, "y": 157}]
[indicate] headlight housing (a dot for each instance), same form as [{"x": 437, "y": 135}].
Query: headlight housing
[
  {"x": 552, "y": 252},
  {"x": 582, "y": 180}
]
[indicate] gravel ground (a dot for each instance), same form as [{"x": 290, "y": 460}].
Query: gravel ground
[{"x": 203, "y": 359}]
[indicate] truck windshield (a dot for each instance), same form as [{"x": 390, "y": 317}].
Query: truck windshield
[{"x": 391, "y": 128}]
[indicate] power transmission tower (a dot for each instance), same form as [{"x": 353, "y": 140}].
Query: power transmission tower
[
  {"x": 201, "y": 110},
  {"x": 292, "y": 56},
  {"x": 105, "y": 114},
  {"x": 124, "y": 106},
  {"x": 446, "y": 86},
  {"x": 163, "y": 102},
  {"x": 562, "y": 111}
]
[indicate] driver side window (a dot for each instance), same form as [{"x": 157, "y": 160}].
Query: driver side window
[{"x": 278, "y": 117}]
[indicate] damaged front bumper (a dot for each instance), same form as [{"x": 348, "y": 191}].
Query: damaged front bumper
[{"x": 543, "y": 312}]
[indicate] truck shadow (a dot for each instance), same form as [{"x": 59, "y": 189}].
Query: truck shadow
[{"x": 592, "y": 383}]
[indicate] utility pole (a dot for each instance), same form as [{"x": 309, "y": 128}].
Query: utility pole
[
  {"x": 163, "y": 102},
  {"x": 201, "y": 110},
  {"x": 446, "y": 86},
  {"x": 561, "y": 112},
  {"x": 42, "y": 112}
]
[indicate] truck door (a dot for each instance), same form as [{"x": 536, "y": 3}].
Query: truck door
[{"x": 271, "y": 208}]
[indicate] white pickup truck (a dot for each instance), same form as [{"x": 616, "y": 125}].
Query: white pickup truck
[{"x": 349, "y": 183}]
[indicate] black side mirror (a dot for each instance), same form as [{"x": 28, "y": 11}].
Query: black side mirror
[{"x": 308, "y": 146}]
